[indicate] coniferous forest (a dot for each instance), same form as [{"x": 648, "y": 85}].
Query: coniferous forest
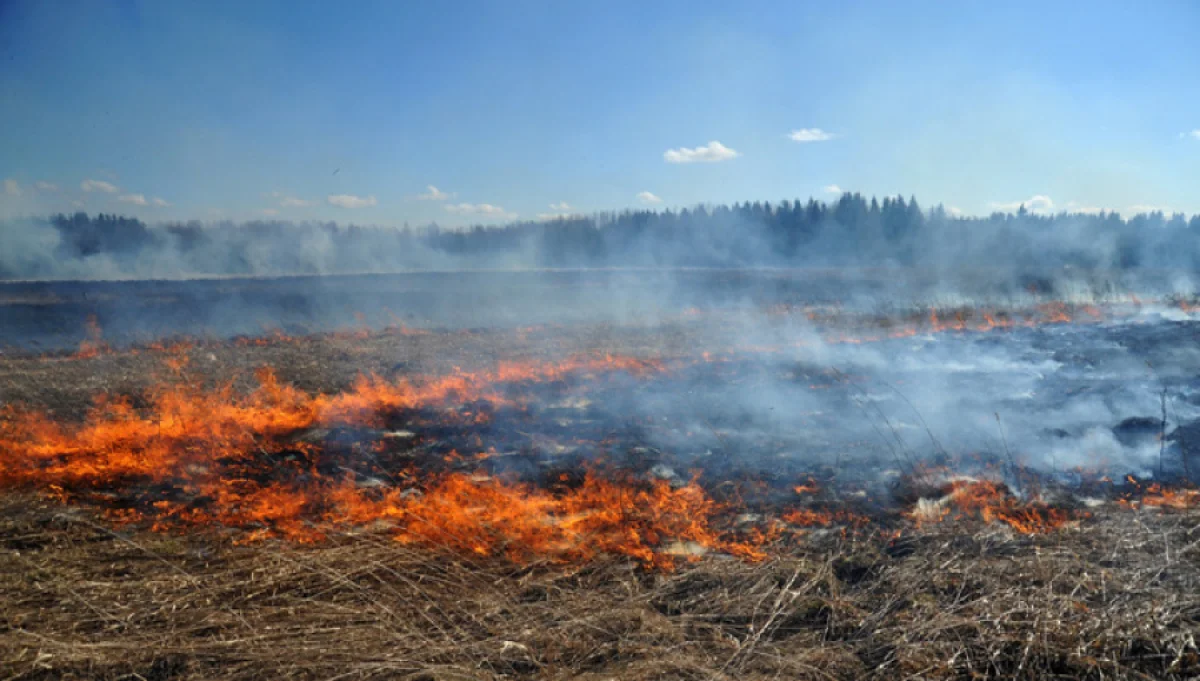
[{"x": 853, "y": 231}]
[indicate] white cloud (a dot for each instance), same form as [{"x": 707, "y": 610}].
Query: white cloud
[
  {"x": 479, "y": 209},
  {"x": 710, "y": 153},
  {"x": 270, "y": 211},
  {"x": 954, "y": 211},
  {"x": 12, "y": 188},
  {"x": 810, "y": 135},
  {"x": 1038, "y": 203},
  {"x": 647, "y": 197},
  {"x": 562, "y": 211},
  {"x": 141, "y": 200},
  {"x": 45, "y": 186},
  {"x": 1194, "y": 134},
  {"x": 98, "y": 186},
  {"x": 831, "y": 189},
  {"x": 287, "y": 201},
  {"x": 433, "y": 194},
  {"x": 351, "y": 201}
]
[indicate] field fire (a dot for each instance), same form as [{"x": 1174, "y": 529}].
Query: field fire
[
  {"x": 545, "y": 341},
  {"x": 782, "y": 476}
]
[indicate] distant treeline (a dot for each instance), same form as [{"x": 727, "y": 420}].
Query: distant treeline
[{"x": 852, "y": 231}]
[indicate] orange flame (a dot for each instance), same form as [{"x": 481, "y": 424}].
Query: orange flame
[
  {"x": 487, "y": 517},
  {"x": 189, "y": 457},
  {"x": 991, "y": 501},
  {"x": 94, "y": 345}
]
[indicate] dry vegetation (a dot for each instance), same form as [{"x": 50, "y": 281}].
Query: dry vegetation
[
  {"x": 1117, "y": 596},
  {"x": 67, "y": 382}
]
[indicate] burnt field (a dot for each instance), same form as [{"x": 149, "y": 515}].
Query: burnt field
[
  {"x": 48, "y": 316},
  {"x": 756, "y": 490}
]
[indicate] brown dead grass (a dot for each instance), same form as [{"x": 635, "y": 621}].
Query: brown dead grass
[
  {"x": 66, "y": 383},
  {"x": 1117, "y": 597}
]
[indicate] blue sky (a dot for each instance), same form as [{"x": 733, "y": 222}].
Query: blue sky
[{"x": 351, "y": 111}]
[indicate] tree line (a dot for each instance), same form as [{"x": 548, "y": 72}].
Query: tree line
[{"x": 851, "y": 231}]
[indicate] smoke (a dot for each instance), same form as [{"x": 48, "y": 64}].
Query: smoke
[
  {"x": 1072, "y": 400},
  {"x": 783, "y": 393},
  {"x": 954, "y": 256}
]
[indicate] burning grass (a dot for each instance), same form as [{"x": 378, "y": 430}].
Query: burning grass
[
  {"x": 196, "y": 458},
  {"x": 199, "y": 529},
  {"x": 189, "y": 458},
  {"x": 991, "y": 501}
]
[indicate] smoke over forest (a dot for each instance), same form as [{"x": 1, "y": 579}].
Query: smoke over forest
[{"x": 851, "y": 232}]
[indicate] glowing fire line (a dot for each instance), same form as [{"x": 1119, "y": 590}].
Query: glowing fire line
[{"x": 201, "y": 445}]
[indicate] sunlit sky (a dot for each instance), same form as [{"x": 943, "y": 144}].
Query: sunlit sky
[{"x": 457, "y": 113}]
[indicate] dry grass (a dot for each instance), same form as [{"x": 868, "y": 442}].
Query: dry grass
[
  {"x": 1116, "y": 597},
  {"x": 66, "y": 383}
]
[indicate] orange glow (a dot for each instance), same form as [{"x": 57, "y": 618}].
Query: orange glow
[
  {"x": 964, "y": 319},
  {"x": 487, "y": 517},
  {"x": 271, "y": 337},
  {"x": 991, "y": 502},
  {"x": 182, "y": 456},
  {"x": 184, "y": 427},
  {"x": 94, "y": 345},
  {"x": 809, "y": 487},
  {"x": 1156, "y": 495},
  {"x": 189, "y": 459},
  {"x": 1054, "y": 313}
]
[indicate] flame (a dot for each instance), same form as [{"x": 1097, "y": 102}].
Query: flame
[
  {"x": 372, "y": 398},
  {"x": 188, "y": 457},
  {"x": 488, "y": 517},
  {"x": 989, "y": 501},
  {"x": 967, "y": 319},
  {"x": 1157, "y": 495},
  {"x": 193, "y": 457},
  {"x": 93, "y": 345},
  {"x": 1054, "y": 313},
  {"x": 185, "y": 426},
  {"x": 270, "y": 337}
]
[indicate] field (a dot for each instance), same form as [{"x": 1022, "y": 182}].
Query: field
[
  {"x": 1113, "y": 598},
  {"x": 756, "y": 546}
]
